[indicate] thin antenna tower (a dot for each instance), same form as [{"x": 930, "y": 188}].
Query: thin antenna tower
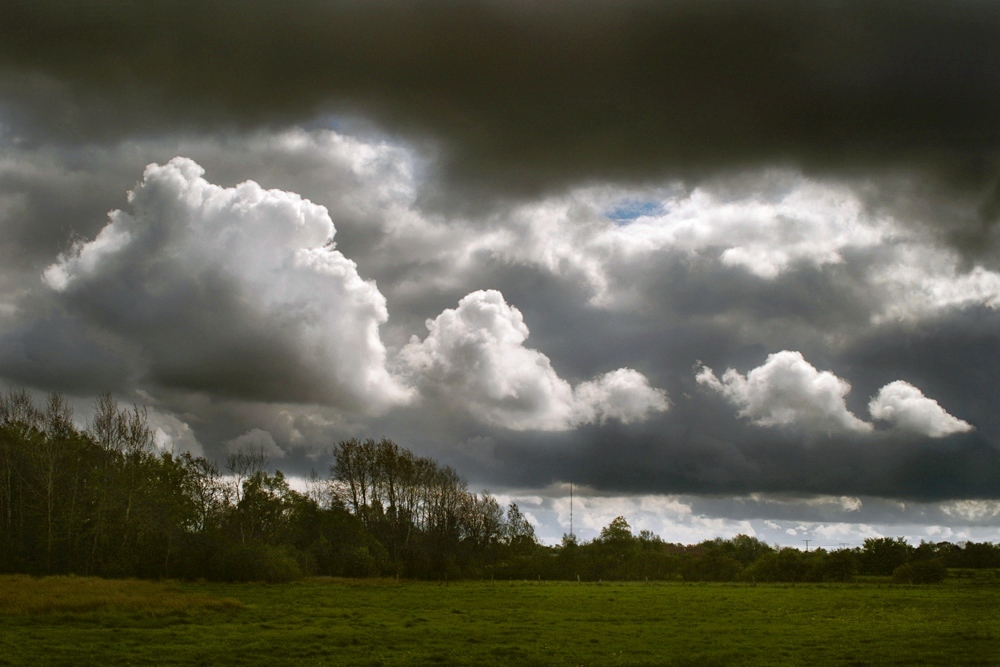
[{"x": 571, "y": 510}]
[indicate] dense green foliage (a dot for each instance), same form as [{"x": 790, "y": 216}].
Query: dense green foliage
[
  {"x": 104, "y": 501},
  {"x": 385, "y": 622}
]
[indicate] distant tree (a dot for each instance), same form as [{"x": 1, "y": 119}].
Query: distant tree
[
  {"x": 518, "y": 532},
  {"x": 839, "y": 565},
  {"x": 617, "y": 533},
  {"x": 244, "y": 464},
  {"x": 747, "y": 549},
  {"x": 483, "y": 522},
  {"x": 882, "y": 555},
  {"x": 980, "y": 555},
  {"x": 710, "y": 566},
  {"x": 785, "y": 564}
]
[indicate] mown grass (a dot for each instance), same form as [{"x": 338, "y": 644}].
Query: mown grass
[{"x": 339, "y": 622}]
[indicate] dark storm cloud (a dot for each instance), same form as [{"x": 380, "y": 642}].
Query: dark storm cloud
[
  {"x": 954, "y": 357},
  {"x": 524, "y": 96},
  {"x": 722, "y": 456},
  {"x": 702, "y": 446},
  {"x": 58, "y": 354}
]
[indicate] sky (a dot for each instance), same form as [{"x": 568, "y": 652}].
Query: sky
[{"x": 724, "y": 266}]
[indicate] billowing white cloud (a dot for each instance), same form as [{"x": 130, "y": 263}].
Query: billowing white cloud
[
  {"x": 623, "y": 394},
  {"x": 786, "y": 221},
  {"x": 788, "y": 391},
  {"x": 923, "y": 279},
  {"x": 237, "y": 290},
  {"x": 906, "y": 407},
  {"x": 789, "y": 221},
  {"x": 474, "y": 357}
]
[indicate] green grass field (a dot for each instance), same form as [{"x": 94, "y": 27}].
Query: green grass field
[{"x": 79, "y": 621}]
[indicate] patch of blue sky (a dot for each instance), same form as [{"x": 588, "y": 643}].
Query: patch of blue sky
[{"x": 628, "y": 210}]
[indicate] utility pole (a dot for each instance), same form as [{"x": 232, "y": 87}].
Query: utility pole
[
  {"x": 571, "y": 511},
  {"x": 807, "y": 544}
]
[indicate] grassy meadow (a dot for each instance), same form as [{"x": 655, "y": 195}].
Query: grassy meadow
[{"x": 81, "y": 621}]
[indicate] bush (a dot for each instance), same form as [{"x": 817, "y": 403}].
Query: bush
[
  {"x": 788, "y": 564},
  {"x": 255, "y": 561},
  {"x": 920, "y": 572},
  {"x": 840, "y": 565},
  {"x": 882, "y": 555},
  {"x": 710, "y": 567}
]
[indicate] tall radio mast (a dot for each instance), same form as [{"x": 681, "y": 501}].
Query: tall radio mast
[{"x": 571, "y": 511}]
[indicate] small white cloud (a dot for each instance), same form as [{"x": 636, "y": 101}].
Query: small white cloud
[
  {"x": 972, "y": 510},
  {"x": 788, "y": 391},
  {"x": 850, "y": 503},
  {"x": 624, "y": 394},
  {"x": 474, "y": 357},
  {"x": 906, "y": 407},
  {"x": 842, "y": 532},
  {"x": 256, "y": 440}
]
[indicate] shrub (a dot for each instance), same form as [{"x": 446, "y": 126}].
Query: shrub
[
  {"x": 255, "y": 561},
  {"x": 920, "y": 572},
  {"x": 840, "y": 565},
  {"x": 786, "y": 564}
]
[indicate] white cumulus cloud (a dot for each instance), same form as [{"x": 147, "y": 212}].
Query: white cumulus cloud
[
  {"x": 788, "y": 391},
  {"x": 237, "y": 290},
  {"x": 906, "y": 407},
  {"x": 474, "y": 357}
]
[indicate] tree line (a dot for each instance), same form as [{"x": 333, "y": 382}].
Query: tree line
[{"x": 105, "y": 501}]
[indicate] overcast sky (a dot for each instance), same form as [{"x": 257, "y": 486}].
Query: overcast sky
[{"x": 726, "y": 266}]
